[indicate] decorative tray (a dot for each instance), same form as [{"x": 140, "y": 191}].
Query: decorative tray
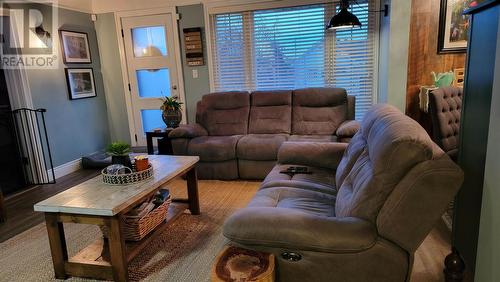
[{"x": 127, "y": 178}]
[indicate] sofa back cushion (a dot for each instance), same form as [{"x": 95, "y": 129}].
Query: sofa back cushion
[
  {"x": 225, "y": 113},
  {"x": 270, "y": 112},
  {"x": 318, "y": 111},
  {"x": 386, "y": 148}
]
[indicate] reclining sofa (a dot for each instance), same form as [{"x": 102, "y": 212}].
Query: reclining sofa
[
  {"x": 238, "y": 134},
  {"x": 361, "y": 214}
]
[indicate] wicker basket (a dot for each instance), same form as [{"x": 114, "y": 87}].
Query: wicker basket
[
  {"x": 128, "y": 178},
  {"x": 135, "y": 228}
]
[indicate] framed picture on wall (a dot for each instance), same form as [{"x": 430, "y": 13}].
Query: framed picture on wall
[
  {"x": 80, "y": 83},
  {"x": 75, "y": 47},
  {"x": 454, "y": 25}
]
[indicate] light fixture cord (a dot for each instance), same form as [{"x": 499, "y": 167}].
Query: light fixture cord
[
  {"x": 371, "y": 11},
  {"x": 344, "y": 4}
]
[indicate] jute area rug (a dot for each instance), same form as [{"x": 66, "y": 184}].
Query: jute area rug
[{"x": 184, "y": 252}]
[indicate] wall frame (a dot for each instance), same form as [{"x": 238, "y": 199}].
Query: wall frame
[
  {"x": 453, "y": 26},
  {"x": 75, "y": 47},
  {"x": 80, "y": 83}
]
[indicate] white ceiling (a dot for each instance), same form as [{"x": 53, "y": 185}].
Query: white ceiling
[
  {"x": 78, "y": 5},
  {"x": 106, "y": 6}
]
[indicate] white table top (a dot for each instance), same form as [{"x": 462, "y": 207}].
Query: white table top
[{"x": 93, "y": 197}]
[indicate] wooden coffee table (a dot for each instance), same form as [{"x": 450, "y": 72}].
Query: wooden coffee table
[{"x": 93, "y": 202}]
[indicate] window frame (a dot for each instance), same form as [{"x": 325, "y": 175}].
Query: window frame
[{"x": 234, "y": 6}]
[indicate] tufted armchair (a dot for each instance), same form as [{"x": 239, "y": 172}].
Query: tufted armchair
[
  {"x": 361, "y": 213},
  {"x": 445, "y": 108}
]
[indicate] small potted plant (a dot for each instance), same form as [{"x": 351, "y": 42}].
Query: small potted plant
[
  {"x": 119, "y": 152},
  {"x": 171, "y": 112}
]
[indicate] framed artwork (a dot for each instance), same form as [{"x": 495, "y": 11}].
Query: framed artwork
[
  {"x": 80, "y": 83},
  {"x": 75, "y": 47},
  {"x": 453, "y": 26}
]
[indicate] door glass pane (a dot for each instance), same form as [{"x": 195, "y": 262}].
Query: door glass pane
[
  {"x": 149, "y": 41},
  {"x": 153, "y": 83},
  {"x": 151, "y": 119}
]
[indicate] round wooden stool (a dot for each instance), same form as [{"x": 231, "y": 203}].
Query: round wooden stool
[{"x": 241, "y": 265}]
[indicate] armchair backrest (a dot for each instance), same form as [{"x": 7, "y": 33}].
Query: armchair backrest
[
  {"x": 392, "y": 174},
  {"x": 271, "y": 112},
  {"x": 318, "y": 110},
  {"x": 225, "y": 113},
  {"x": 445, "y": 109}
]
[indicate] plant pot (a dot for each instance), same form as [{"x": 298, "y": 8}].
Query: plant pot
[
  {"x": 172, "y": 118},
  {"x": 123, "y": 160}
]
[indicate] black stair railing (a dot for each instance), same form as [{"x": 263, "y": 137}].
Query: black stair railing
[{"x": 33, "y": 142}]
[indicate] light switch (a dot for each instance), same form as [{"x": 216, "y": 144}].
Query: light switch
[{"x": 195, "y": 73}]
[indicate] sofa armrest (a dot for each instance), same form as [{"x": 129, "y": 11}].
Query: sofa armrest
[
  {"x": 317, "y": 154},
  {"x": 347, "y": 129},
  {"x": 188, "y": 131},
  {"x": 296, "y": 230}
]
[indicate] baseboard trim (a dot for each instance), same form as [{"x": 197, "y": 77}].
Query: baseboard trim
[{"x": 67, "y": 168}]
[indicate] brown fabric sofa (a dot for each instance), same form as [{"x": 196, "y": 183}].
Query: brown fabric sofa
[
  {"x": 238, "y": 134},
  {"x": 363, "y": 211},
  {"x": 445, "y": 108}
]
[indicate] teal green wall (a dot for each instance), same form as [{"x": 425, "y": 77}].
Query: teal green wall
[
  {"x": 488, "y": 250},
  {"x": 75, "y": 127},
  {"x": 194, "y": 88},
  {"x": 192, "y": 16},
  {"x": 393, "y": 54},
  {"x": 112, "y": 77}
]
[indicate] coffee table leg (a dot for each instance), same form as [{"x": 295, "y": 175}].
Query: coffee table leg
[
  {"x": 192, "y": 186},
  {"x": 117, "y": 250},
  {"x": 57, "y": 241}
]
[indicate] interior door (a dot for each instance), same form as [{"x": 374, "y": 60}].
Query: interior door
[
  {"x": 11, "y": 172},
  {"x": 152, "y": 69}
]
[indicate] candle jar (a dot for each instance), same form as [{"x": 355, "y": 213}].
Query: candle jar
[{"x": 141, "y": 163}]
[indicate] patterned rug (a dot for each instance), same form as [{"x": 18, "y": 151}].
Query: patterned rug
[{"x": 183, "y": 252}]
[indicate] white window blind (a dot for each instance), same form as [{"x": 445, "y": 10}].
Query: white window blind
[{"x": 288, "y": 48}]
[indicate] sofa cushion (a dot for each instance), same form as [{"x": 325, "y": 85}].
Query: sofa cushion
[
  {"x": 311, "y": 202},
  {"x": 318, "y": 154},
  {"x": 348, "y": 128},
  {"x": 225, "y": 113},
  {"x": 320, "y": 180},
  {"x": 262, "y": 147},
  {"x": 313, "y": 138},
  {"x": 318, "y": 111},
  {"x": 214, "y": 148},
  {"x": 292, "y": 219},
  {"x": 270, "y": 112},
  {"x": 393, "y": 145},
  {"x": 252, "y": 169},
  {"x": 224, "y": 170}
]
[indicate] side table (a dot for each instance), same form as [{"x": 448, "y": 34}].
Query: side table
[{"x": 164, "y": 143}]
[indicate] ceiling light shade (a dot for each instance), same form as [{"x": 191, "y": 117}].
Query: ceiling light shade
[{"x": 344, "y": 18}]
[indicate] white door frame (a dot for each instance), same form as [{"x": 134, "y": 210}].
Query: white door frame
[
  {"x": 20, "y": 96},
  {"x": 123, "y": 61},
  {"x": 17, "y": 79}
]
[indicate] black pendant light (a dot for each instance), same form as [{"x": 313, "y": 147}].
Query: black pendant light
[{"x": 344, "y": 18}]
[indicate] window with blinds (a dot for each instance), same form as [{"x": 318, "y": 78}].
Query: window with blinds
[{"x": 288, "y": 48}]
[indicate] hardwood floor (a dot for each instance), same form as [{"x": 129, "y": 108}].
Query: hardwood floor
[
  {"x": 429, "y": 257},
  {"x": 19, "y": 207}
]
